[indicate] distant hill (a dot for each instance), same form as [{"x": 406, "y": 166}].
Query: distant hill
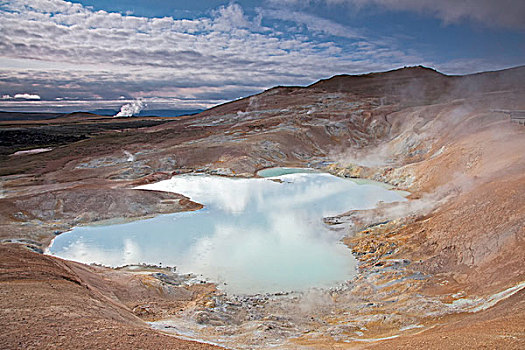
[
  {"x": 34, "y": 116},
  {"x": 417, "y": 85},
  {"x": 10, "y": 116},
  {"x": 151, "y": 112}
]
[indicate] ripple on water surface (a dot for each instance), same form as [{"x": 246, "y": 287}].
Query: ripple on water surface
[{"x": 253, "y": 235}]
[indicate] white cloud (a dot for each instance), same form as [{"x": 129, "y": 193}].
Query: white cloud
[
  {"x": 24, "y": 96},
  {"x": 57, "y": 49},
  {"x": 313, "y": 23},
  {"x": 228, "y": 17},
  {"x": 69, "y": 51}
]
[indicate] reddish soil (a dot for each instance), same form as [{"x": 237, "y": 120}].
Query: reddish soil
[
  {"x": 442, "y": 138},
  {"x": 54, "y": 304}
]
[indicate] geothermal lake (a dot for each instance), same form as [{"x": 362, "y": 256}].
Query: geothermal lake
[{"x": 261, "y": 235}]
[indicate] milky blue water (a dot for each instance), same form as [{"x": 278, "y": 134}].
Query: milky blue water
[
  {"x": 253, "y": 235},
  {"x": 279, "y": 171}
]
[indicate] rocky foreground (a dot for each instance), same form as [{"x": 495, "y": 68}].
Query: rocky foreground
[{"x": 443, "y": 270}]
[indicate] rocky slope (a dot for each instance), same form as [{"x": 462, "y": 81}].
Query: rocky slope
[{"x": 433, "y": 270}]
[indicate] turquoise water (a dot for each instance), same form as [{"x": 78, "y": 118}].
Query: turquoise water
[
  {"x": 253, "y": 235},
  {"x": 279, "y": 171}
]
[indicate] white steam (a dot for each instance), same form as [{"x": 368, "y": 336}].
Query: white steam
[
  {"x": 131, "y": 157},
  {"x": 130, "y": 109}
]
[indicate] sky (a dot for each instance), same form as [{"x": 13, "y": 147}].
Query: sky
[{"x": 58, "y": 55}]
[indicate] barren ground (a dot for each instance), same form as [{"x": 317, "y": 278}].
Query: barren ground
[{"x": 444, "y": 269}]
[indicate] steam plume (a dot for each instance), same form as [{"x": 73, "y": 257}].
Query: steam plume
[{"x": 130, "y": 109}]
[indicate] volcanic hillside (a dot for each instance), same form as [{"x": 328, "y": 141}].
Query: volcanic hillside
[{"x": 441, "y": 270}]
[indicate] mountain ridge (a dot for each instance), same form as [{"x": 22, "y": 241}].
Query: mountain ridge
[{"x": 411, "y": 85}]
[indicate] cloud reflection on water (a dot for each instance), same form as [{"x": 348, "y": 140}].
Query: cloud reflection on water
[{"x": 255, "y": 235}]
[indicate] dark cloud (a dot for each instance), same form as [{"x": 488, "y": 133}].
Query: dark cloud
[{"x": 491, "y": 13}]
